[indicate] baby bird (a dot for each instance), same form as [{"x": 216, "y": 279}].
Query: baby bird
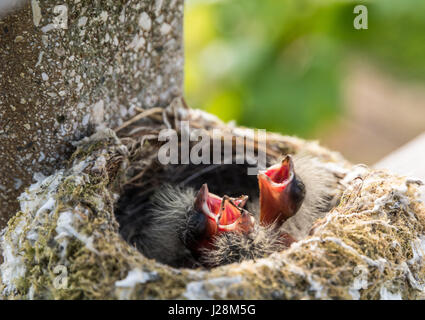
[
  {"x": 181, "y": 223},
  {"x": 321, "y": 186}
]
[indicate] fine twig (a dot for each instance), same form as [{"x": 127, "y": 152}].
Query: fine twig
[{"x": 142, "y": 115}]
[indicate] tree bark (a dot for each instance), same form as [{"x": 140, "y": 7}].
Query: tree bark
[{"x": 69, "y": 66}]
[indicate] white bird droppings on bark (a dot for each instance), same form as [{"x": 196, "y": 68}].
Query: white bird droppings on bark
[{"x": 72, "y": 66}]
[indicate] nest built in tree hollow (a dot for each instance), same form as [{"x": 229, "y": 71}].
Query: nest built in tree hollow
[{"x": 370, "y": 246}]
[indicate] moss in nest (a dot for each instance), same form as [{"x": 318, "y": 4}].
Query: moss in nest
[{"x": 74, "y": 227}]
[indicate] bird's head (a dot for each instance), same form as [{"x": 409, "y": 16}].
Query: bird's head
[
  {"x": 213, "y": 215},
  {"x": 281, "y": 192}
]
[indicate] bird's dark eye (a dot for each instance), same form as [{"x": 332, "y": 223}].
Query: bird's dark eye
[
  {"x": 195, "y": 230},
  {"x": 297, "y": 193},
  {"x": 197, "y": 225}
]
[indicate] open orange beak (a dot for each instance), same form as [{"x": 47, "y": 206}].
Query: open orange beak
[
  {"x": 281, "y": 193},
  {"x": 219, "y": 215},
  {"x": 232, "y": 217}
]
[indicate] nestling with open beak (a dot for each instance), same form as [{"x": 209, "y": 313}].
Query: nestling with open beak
[
  {"x": 281, "y": 192},
  {"x": 181, "y": 224}
]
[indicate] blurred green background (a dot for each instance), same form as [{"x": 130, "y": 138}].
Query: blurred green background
[{"x": 282, "y": 65}]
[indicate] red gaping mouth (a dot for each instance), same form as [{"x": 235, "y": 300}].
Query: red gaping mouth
[
  {"x": 210, "y": 204},
  {"x": 232, "y": 217},
  {"x": 280, "y": 193},
  {"x": 224, "y": 214},
  {"x": 279, "y": 175}
]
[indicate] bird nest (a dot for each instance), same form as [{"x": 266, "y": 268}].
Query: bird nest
[{"x": 65, "y": 243}]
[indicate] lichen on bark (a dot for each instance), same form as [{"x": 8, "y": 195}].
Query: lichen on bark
[{"x": 70, "y": 66}]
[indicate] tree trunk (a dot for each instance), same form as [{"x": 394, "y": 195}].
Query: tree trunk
[{"x": 70, "y": 66}]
